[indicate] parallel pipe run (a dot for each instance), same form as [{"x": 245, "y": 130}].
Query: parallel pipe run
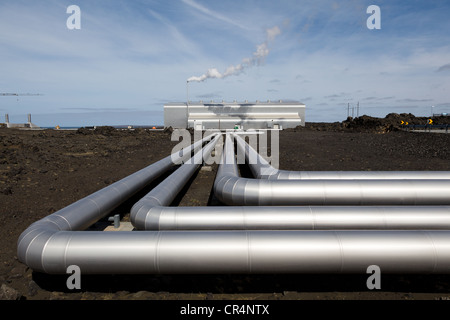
[
  {"x": 231, "y": 189},
  {"x": 262, "y": 169},
  {"x": 81, "y": 214},
  {"x": 153, "y": 213},
  {"x": 156, "y": 217},
  {"x": 166, "y": 191},
  {"x": 202, "y": 252},
  {"x": 44, "y": 248}
]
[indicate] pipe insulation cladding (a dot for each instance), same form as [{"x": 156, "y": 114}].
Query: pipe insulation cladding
[
  {"x": 52, "y": 244},
  {"x": 152, "y": 212},
  {"x": 261, "y": 169},
  {"x": 166, "y": 191},
  {"x": 155, "y": 217},
  {"x": 81, "y": 214},
  {"x": 231, "y": 189},
  {"x": 206, "y": 252}
]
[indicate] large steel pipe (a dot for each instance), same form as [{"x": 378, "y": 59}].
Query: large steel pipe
[
  {"x": 85, "y": 212},
  {"x": 47, "y": 247},
  {"x": 166, "y": 191},
  {"x": 156, "y": 217},
  {"x": 262, "y": 169},
  {"x": 152, "y": 212},
  {"x": 189, "y": 252},
  {"x": 232, "y": 189}
]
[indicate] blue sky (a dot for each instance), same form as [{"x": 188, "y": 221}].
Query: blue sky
[{"x": 131, "y": 57}]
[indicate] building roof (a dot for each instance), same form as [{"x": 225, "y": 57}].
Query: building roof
[{"x": 241, "y": 103}]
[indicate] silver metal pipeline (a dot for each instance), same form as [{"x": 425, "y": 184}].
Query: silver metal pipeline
[
  {"x": 152, "y": 212},
  {"x": 47, "y": 247},
  {"x": 84, "y": 212},
  {"x": 166, "y": 191},
  {"x": 156, "y": 217},
  {"x": 232, "y": 189},
  {"x": 81, "y": 214},
  {"x": 189, "y": 252},
  {"x": 262, "y": 169}
]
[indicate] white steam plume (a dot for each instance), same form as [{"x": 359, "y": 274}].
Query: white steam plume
[{"x": 261, "y": 52}]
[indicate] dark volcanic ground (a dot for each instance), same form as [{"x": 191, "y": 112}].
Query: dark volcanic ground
[{"x": 44, "y": 171}]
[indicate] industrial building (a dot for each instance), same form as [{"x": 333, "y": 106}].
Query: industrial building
[{"x": 259, "y": 115}]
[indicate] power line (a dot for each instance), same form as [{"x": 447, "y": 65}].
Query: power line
[{"x": 20, "y": 94}]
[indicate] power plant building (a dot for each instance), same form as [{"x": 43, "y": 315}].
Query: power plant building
[{"x": 213, "y": 115}]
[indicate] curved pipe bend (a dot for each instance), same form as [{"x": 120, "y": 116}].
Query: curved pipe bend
[
  {"x": 262, "y": 169},
  {"x": 153, "y": 212},
  {"x": 232, "y": 189},
  {"x": 46, "y": 247},
  {"x": 259, "y": 252},
  {"x": 166, "y": 191},
  {"x": 33, "y": 245}
]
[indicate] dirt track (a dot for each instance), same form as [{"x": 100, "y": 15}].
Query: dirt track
[{"x": 44, "y": 171}]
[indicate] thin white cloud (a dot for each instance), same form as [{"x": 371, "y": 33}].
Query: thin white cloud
[
  {"x": 179, "y": 39},
  {"x": 213, "y": 14}
]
